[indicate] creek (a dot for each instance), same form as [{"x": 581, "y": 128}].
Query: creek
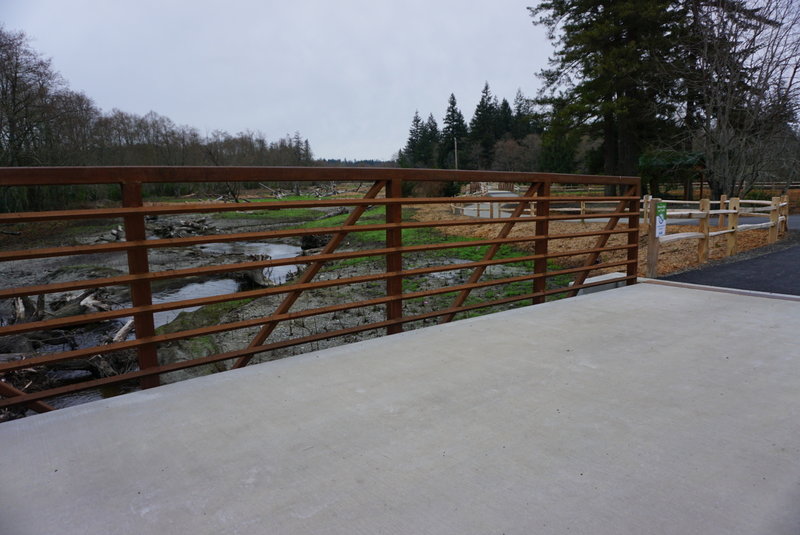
[
  {"x": 193, "y": 290},
  {"x": 277, "y": 274}
]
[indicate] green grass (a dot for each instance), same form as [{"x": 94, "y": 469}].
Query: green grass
[
  {"x": 286, "y": 198},
  {"x": 418, "y": 236},
  {"x": 375, "y": 215},
  {"x": 205, "y": 315},
  {"x": 283, "y": 214}
]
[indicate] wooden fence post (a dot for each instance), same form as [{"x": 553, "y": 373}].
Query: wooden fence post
[
  {"x": 705, "y": 223},
  {"x": 723, "y": 201},
  {"x": 652, "y": 242},
  {"x": 733, "y": 224},
  {"x": 774, "y": 219},
  {"x": 785, "y": 213}
]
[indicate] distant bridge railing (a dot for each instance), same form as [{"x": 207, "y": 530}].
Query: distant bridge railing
[{"x": 385, "y": 193}]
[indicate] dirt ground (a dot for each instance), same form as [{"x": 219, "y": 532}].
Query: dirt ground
[{"x": 673, "y": 256}]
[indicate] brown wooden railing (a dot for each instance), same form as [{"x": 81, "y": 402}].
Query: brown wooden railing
[{"x": 385, "y": 190}]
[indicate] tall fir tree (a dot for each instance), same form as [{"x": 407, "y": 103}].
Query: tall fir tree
[
  {"x": 607, "y": 59},
  {"x": 429, "y": 144},
  {"x": 453, "y": 137},
  {"x": 482, "y": 128},
  {"x": 525, "y": 119},
  {"x": 504, "y": 120},
  {"x": 410, "y": 153},
  {"x": 422, "y": 146}
]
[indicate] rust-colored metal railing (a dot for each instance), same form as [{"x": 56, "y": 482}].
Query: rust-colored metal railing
[{"x": 386, "y": 190}]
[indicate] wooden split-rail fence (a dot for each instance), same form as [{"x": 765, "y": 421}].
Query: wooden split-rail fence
[{"x": 728, "y": 211}]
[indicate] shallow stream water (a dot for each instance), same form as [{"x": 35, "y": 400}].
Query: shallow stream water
[{"x": 193, "y": 290}]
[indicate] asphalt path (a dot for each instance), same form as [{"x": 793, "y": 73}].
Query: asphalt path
[{"x": 774, "y": 269}]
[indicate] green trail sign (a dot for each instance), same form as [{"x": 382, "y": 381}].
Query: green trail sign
[{"x": 661, "y": 219}]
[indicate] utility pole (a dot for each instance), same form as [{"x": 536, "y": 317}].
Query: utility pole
[{"x": 455, "y": 142}]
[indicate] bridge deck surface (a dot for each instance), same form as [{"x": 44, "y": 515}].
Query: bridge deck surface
[{"x": 647, "y": 409}]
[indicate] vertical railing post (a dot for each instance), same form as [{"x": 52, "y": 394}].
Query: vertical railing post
[
  {"x": 141, "y": 294},
  {"x": 634, "y": 210},
  {"x": 723, "y": 202},
  {"x": 541, "y": 246},
  {"x": 394, "y": 260}
]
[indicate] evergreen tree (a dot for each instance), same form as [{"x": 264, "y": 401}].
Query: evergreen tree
[
  {"x": 523, "y": 117},
  {"x": 409, "y": 155},
  {"x": 504, "y": 121},
  {"x": 422, "y": 147},
  {"x": 609, "y": 57},
  {"x": 482, "y": 128},
  {"x": 429, "y": 144},
  {"x": 454, "y": 134},
  {"x": 559, "y": 140}
]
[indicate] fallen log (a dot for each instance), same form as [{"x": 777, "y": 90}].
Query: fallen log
[{"x": 123, "y": 333}]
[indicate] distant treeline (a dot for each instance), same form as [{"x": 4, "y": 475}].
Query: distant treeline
[
  {"x": 499, "y": 136},
  {"x": 45, "y": 123}
]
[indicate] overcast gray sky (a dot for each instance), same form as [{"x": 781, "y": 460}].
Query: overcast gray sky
[{"x": 348, "y": 74}]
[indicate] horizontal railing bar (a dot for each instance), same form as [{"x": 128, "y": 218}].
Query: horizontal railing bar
[
  {"x": 748, "y": 201},
  {"x": 721, "y": 232},
  {"x": 246, "y": 266},
  {"x": 44, "y": 176},
  {"x": 755, "y": 226},
  {"x": 36, "y": 396},
  {"x": 107, "y": 213},
  {"x": 126, "y": 279},
  {"x": 686, "y": 214},
  {"x": 760, "y": 211},
  {"x": 681, "y": 236},
  {"x": 29, "y": 254},
  {"x": 161, "y": 307}
]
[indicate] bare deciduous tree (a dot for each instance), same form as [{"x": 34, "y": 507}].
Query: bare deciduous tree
[{"x": 744, "y": 84}]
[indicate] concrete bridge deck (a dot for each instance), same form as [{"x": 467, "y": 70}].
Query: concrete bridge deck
[{"x": 647, "y": 409}]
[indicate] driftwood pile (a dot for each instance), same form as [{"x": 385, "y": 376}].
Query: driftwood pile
[
  {"x": 26, "y": 310},
  {"x": 179, "y": 229},
  {"x": 182, "y": 229}
]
